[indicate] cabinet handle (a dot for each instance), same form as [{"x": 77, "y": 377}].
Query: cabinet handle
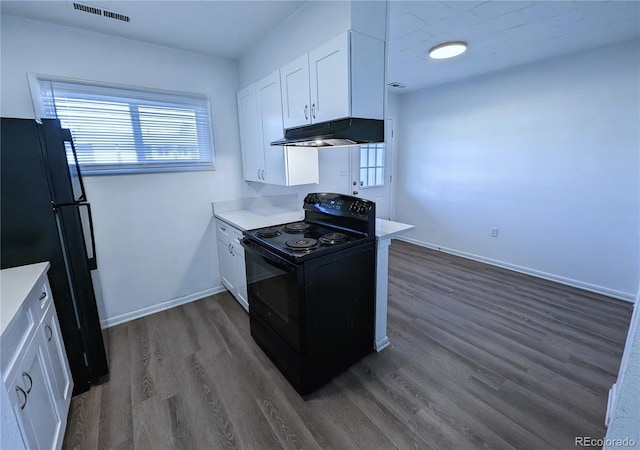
[
  {"x": 20, "y": 390},
  {"x": 25, "y": 374},
  {"x": 258, "y": 174},
  {"x": 50, "y": 331},
  {"x": 306, "y": 112},
  {"x": 42, "y": 296},
  {"x": 263, "y": 174},
  {"x": 230, "y": 248},
  {"x": 223, "y": 228},
  {"x": 313, "y": 110}
]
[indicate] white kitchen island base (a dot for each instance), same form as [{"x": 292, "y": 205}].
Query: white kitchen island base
[{"x": 385, "y": 231}]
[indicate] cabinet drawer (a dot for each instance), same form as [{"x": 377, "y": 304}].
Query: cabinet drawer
[
  {"x": 40, "y": 297},
  {"x": 227, "y": 231},
  {"x": 224, "y": 229}
]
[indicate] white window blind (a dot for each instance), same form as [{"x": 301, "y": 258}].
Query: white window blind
[{"x": 118, "y": 130}]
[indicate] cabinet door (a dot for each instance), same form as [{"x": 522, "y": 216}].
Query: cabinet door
[
  {"x": 241, "y": 275},
  {"x": 329, "y": 79},
  {"x": 61, "y": 381},
  {"x": 294, "y": 81},
  {"x": 227, "y": 267},
  {"x": 271, "y": 128},
  {"x": 251, "y": 147},
  {"x": 30, "y": 394}
]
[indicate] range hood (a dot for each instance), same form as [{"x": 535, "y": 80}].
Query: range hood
[{"x": 335, "y": 133}]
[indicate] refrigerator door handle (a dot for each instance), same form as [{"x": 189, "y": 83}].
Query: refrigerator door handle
[
  {"x": 66, "y": 137},
  {"x": 91, "y": 259}
]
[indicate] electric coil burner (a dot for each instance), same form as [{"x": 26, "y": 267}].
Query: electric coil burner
[
  {"x": 268, "y": 232},
  {"x": 333, "y": 238},
  {"x": 302, "y": 245},
  {"x": 311, "y": 288},
  {"x": 297, "y": 227}
]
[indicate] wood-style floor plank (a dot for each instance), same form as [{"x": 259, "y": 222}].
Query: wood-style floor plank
[{"x": 480, "y": 357}]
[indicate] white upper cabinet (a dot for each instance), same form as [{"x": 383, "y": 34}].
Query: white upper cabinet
[
  {"x": 270, "y": 122},
  {"x": 294, "y": 79},
  {"x": 261, "y": 122},
  {"x": 342, "y": 78},
  {"x": 329, "y": 80},
  {"x": 252, "y": 151}
]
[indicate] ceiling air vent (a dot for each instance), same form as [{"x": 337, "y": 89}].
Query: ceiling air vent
[
  {"x": 116, "y": 16},
  {"x": 86, "y": 8},
  {"x": 100, "y": 12}
]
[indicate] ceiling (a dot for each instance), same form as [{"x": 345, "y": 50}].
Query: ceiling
[{"x": 500, "y": 34}]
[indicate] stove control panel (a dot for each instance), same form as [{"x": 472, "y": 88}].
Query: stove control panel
[
  {"x": 360, "y": 207},
  {"x": 337, "y": 204}
]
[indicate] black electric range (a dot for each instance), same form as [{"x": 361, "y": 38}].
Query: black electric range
[{"x": 311, "y": 288}]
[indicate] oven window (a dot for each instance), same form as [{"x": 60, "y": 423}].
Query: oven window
[{"x": 272, "y": 289}]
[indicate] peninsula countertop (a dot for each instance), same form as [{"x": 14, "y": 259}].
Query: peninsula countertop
[{"x": 262, "y": 216}]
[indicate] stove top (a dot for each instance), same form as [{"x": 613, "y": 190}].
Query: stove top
[
  {"x": 332, "y": 222},
  {"x": 302, "y": 240}
]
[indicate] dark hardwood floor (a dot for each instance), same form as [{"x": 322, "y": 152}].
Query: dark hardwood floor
[{"x": 480, "y": 357}]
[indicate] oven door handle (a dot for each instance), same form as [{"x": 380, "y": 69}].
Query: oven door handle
[{"x": 274, "y": 260}]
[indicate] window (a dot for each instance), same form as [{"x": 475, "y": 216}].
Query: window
[
  {"x": 372, "y": 165},
  {"x": 118, "y": 130}
]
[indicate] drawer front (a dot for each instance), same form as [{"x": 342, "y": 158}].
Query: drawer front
[
  {"x": 40, "y": 297},
  {"x": 224, "y": 229},
  {"x": 227, "y": 231},
  {"x": 14, "y": 338}
]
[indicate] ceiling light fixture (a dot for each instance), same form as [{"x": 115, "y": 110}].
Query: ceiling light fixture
[{"x": 448, "y": 50}]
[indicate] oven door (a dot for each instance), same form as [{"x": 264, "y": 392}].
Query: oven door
[{"x": 274, "y": 288}]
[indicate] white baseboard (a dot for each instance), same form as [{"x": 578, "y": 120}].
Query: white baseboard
[
  {"x": 611, "y": 404},
  {"x": 528, "y": 271},
  {"x": 117, "y": 320},
  {"x": 381, "y": 344}
]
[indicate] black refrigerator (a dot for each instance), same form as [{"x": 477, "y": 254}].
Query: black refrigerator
[{"x": 45, "y": 216}]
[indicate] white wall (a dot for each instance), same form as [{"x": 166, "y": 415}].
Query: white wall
[
  {"x": 309, "y": 27},
  {"x": 547, "y": 152},
  {"x": 155, "y": 241}
]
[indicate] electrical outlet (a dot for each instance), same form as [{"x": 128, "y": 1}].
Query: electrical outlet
[{"x": 494, "y": 232}]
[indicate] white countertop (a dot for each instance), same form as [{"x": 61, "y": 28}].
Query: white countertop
[
  {"x": 266, "y": 216},
  {"x": 249, "y": 219},
  {"x": 16, "y": 284},
  {"x": 387, "y": 229}
]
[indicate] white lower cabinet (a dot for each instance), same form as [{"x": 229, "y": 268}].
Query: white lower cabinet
[
  {"x": 35, "y": 370},
  {"x": 31, "y": 394},
  {"x": 61, "y": 381},
  {"x": 232, "y": 262}
]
